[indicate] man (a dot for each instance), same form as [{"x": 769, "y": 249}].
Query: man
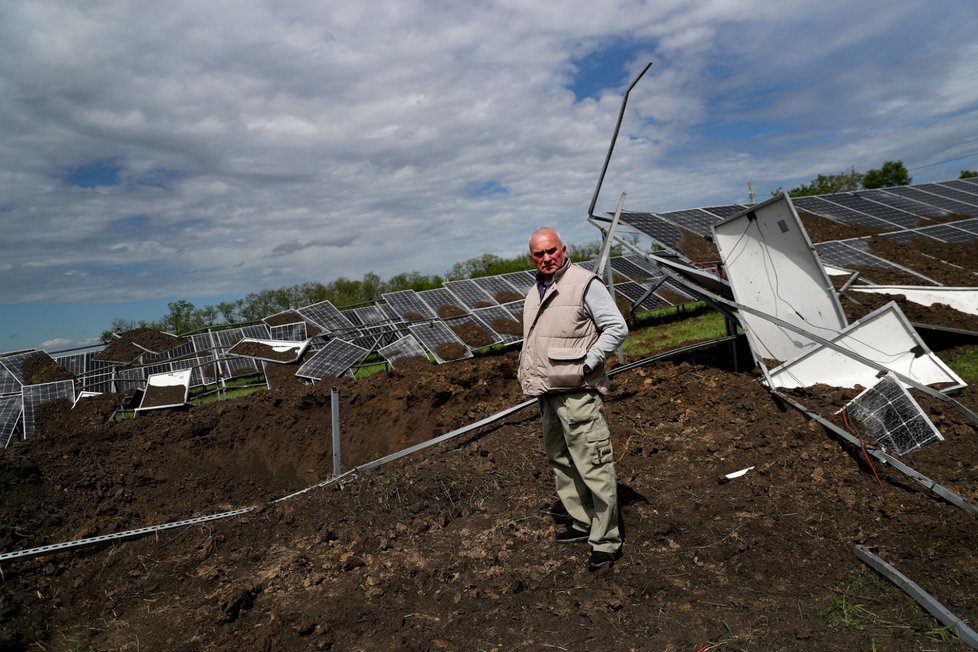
[{"x": 570, "y": 326}]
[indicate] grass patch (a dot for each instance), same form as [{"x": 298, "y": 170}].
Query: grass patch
[
  {"x": 965, "y": 364},
  {"x": 670, "y": 328}
]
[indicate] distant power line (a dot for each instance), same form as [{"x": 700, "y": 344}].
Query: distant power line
[{"x": 950, "y": 160}]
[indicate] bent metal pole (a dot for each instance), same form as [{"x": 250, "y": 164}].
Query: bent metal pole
[
  {"x": 334, "y": 402},
  {"x": 614, "y": 138}
]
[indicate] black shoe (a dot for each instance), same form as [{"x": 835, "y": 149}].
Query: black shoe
[
  {"x": 601, "y": 560},
  {"x": 571, "y": 535}
]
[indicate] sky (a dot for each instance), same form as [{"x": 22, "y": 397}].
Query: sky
[{"x": 201, "y": 150}]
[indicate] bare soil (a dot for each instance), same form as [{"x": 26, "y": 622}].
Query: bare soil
[{"x": 452, "y": 547}]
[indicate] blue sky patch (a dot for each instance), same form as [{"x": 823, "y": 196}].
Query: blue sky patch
[
  {"x": 604, "y": 68},
  {"x": 104, "y": 172},
  {"x": 489, "y": 188}
]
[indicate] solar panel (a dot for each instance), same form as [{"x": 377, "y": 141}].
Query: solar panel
[
  {"x": 931, "y": 199},
  {"x": 11, "y": 408},
  {"x": 165, "y": 390},
  {"x": 971, "y": 226},
  {"x": 968, "y": 180},
  {"x": 8, "y": 383},
  {"x": 891, "y": 217},
  {"x": 408, "y": 306},
  {"x": 470, "y": 294},
  {"x": 327, "y": 316},
  {"x": 629, "y": 268},
  {"x": 129, "y": 379},
  {"x": 37, "y": 395},
  {"x": 443, "y": 303},
  {"x": 650, "y": 269},
  {"x": 195, "y": 365},
  {"x": 502, "y": 323},
  {"x": 331, "y": 361},
  {"x": 855, "y": 253},
  {"x": 401, "y": 349},
  {"x": 281, "y": 351},
  {"x": 473, "y": 331},
  {"x": 498, "y": 288},
  {"x": 441, "y": 341},
  {"x": 695, "y": 219},
  {"x": 948, "y": 233},
  {"x": 14, "y": 363},
  {"x": 634, "y": 291},
  {"x": 903, "y": 237},
  {"x": 837, "y": 213},
  {"x": 945, "y": 191},
  {"x": 655, "y": 227},
  {"x": 891, "y": 416},
  {"x": 370, "y": 315},
  {"x": 723, "y": 212},
  {"x": 522, "y": 281},
  {"x": 289, "y": 332},
  {"x": 903, "y": 203},
  {"x": 969, "y": 186},
  {"x": 673, "y": 294}
]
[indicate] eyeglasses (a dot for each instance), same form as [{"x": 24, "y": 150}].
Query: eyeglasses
[{"x": 545, "y": 252}]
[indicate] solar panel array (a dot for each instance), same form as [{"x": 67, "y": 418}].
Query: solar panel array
[{"x": 900, "y": 214}]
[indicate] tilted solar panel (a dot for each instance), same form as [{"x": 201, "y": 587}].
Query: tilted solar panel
[
  {"x": 500, "y": 289},
  {"x": 661, "y": 231},
  {"x": 924, "y": 197},
  {"x": 946, "y": 192},
  {"x": 469, "y": 294},
  {"x": 327, "y": 316},
  {"x": 402, "y": 349},
  {"x": 443, "y": 302},
  {"x": 893, "y": 217},
  {"x": 473, "y": 331},
  {"x": 833, "y": 211},
  {"x": 409, "y": 306},
  {"x": 502, "y": 323},
  {"x": 911, "y": 206},
  {"x": 11, "y": 408},
  {"x": 441, "y": 341},
  {"x": 696, "y": 220},
  {"x": 948, "y": 233},
  {"x": 37, "y": 395},
  {"x": 331, "y": 361}
]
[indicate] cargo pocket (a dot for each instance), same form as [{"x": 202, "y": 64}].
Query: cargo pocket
[{"x": 599, "y": 447}]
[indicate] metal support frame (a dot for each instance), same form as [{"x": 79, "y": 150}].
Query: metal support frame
[
  {"x": 614, "y": 138},
  {"x": 924, "y": 599}
]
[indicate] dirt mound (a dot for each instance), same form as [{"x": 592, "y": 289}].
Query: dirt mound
[{"x": 452, "y": 548}]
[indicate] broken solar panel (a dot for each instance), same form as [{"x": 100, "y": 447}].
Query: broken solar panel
[
  {"x": 328, "y": 316},
  {"x": 14, "y": 363},
  {"x": 726, "y": 211},
  {"x": 443, "y": 303},
  {"x": 11, "y": 408},
  {"x": 331, "y": 361},
  {"x": 37, "y": 395},
  {"x": 281, "y": 351},
  {"x": 295, "y": 332},
  {"x": 470, "y": 294},
  {"x": 402, "y": 349},
  {"x": 497, "y": 287},
  {"x": 408, "y": 306},
  {"x": 165, "y": 390},
  {"x": 195, "y": 365},
  {"x": 441, "y": 341},
  {"x": 891, "y": 417},
  {"x": 632, "y": 291},
  {"x": 931, "y": 199},
  {"x": 502, "y": 323},
  {"x": 129, "y": 379},
  {"x": 891, "y": 217},
  {"x": 472, "y": 331}
]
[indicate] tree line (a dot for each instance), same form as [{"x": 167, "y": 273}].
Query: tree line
[
  {"x": 184, "y": 317},
  {"x": 891, "y": 173}
]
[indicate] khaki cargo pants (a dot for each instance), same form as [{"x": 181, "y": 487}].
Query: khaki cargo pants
[{"x": 578, "y": 443}]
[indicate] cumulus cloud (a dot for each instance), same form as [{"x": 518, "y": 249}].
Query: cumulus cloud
[{"x": 165, "y": 150}]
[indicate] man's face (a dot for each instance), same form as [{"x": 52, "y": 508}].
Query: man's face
[{"x": 547, "y": 252}]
